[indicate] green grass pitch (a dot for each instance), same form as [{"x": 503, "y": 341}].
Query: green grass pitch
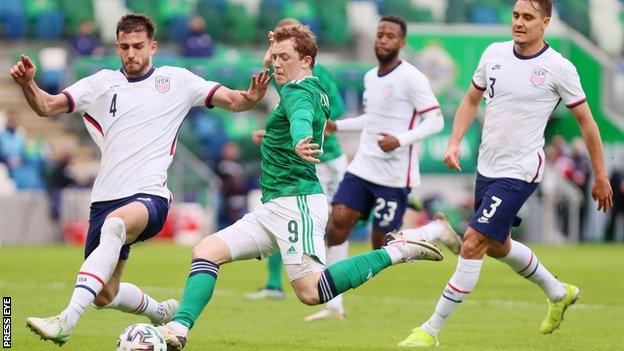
[{"x": 503, "y": 313}]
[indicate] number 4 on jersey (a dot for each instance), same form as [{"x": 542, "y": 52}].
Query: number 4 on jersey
[{"x": 113, "y": 105}]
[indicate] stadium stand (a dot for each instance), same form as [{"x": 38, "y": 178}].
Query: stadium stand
[{"x": 238, "y": 30}]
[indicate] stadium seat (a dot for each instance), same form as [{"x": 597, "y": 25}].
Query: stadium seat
[
  {"x": 483, "y": 14},
  {"x": 239, "y": 25},
  {"x": 457, "y": 11},
  {"x": 48, "y": 25},
  {"x": 306, "y": 13},
  {"x": 212, "y": 11},
  {"x": 35, "y": 7},
  {"x": 76, "y": 12},
  {"x": 335, "y": 23},
  {"x": 178, "y": 27},
  {"x": 271, "y": 11}
]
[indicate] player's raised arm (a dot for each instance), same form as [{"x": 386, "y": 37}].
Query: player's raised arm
[
  {"x": 466, "y": 113},
  {"x": 601, "y": 190},
  {"x": 237, "y": 100},
  {"x": 44, "y": 104}
]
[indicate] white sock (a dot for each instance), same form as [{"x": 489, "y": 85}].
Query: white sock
[
  {"x": 428, "y": 232},
  {"x": 96, "y": 269},
  {"x": 522, "y": 260},
  {"x": 396, "y": 256},
  {"x": 461, "y": 284},
  {"x": 336, "y": 254},
  {"x": 131, "y": 299}
]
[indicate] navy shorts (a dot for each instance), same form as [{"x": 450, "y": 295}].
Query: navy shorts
[
  {"x": 497, "y": 202},
  {"x": 157, "y": 207},
  {"x": 388, "y": 203}
]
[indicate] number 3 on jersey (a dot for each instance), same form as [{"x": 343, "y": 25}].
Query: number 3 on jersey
[
  {"x": 496, "y": 201},
  {"x": 113, "y": 106},
  {"x": 491, "y": 92}
]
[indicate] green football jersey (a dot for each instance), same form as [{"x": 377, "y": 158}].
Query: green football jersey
[
  {"x": 331, "y": 147},
  {"x": 303, "y": 111}
]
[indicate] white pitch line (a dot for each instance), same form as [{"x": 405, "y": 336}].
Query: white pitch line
[{"x": 392, "y": 300}]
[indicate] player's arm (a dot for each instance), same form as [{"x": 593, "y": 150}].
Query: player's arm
[
  {"x": 44, "y": 104},
  {"x": 301, "y": 133},
  {"x": 238, "y": 100},
  {"x": 465, "y": 115},
  {"x": 432, "y": 122},
  {"x": 601, "y": 190},
  {"x": 354, "y": 124}
]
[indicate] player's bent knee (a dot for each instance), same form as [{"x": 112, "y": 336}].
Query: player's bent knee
[
  {"x": 213, "y": 249},
  {"x": 474, "y": 245},
  {"x": 308, "y": 296}
]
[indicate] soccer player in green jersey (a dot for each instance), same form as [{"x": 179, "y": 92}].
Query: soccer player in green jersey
[
  {"x": 330, "y": 172},
  {"x": 294, "y": 210}
]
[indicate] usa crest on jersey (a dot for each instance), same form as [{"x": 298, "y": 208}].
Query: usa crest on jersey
[
  {"x": 163, "y": 84},
  {"x": 538, "y": 76}
]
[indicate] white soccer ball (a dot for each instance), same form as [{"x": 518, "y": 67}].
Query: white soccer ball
[{"x": 141, "y": 337}]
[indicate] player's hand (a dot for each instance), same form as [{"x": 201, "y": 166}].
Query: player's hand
[
  {"x": 23, "y": 71},
  {"x": 387, "y": 142},
  {"x": 307, "y": 150},
  {"x": 258, "y": 86},
  {"x": 602, "y": 193},
  {"x": 453, "y": 153},
  {"x": 257, "y": 136},
  {"x": 330, "y": 127}
]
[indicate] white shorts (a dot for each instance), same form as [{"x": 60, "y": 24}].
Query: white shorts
[
  {"x": 292, "y": 225},
  {"x": 330, "y": 175}
]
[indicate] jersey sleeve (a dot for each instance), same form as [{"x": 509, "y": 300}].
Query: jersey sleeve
[
  {"x": 421, "y": 95},
  {"x": 479, "y": 80},
  {"x": 82, "y": 93},
  {"x": 298, "y": 105},
  {"x": 200, "y": 91},
  {"x": 569, "y": 86}
]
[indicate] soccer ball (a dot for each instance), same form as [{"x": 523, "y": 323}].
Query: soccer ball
[{"x": 141, "y": 337}]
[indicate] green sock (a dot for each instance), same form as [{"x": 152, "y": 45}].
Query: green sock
[
  {"x": 351, "y": 273},
  {"x": 275, "y": 271},
  {"x": 197, "y": 291}
]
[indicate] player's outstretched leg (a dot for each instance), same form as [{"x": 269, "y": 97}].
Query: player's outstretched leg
[
  {"x": 560, "y": 295},
  {"x": 95, "y": 271},
  {"x": 334, "y": 308},
  {"x": 355, "y": 271},
  {"x": 438, "y": 230},
  {"x": 273, "y": 288},
  {"x": 132, "y": 299}
]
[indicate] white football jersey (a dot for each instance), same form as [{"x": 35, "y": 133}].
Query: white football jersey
[
  {"x": 521, "y": 92},
  {"x": 392, "y": 103},
  {"x": 135, "y": 123}
]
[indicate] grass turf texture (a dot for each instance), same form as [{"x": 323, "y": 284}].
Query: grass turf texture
[{"x": 503, "y": 312}]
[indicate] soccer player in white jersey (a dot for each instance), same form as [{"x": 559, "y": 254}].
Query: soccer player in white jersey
[
  {"x": 400, "y": 110},
  {"x": 133, "y": 114},
  {"x": 522, "y": 82}
]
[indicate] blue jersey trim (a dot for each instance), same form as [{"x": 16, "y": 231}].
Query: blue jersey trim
[
  {"x": 140, "y": 78},
  {"x": 522, "y": 57}
]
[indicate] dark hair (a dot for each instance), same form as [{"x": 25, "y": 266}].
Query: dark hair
[
  {"x": 545, "y": 6},
  {"x": 305, "y": 40},
  {"x": 397, "y": 20},
  {"x": 136, "y": 22}
]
